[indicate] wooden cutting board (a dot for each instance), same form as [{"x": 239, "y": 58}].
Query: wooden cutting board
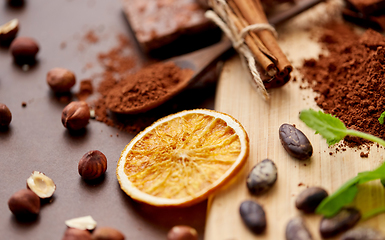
[{"x": 262, "y": 120}]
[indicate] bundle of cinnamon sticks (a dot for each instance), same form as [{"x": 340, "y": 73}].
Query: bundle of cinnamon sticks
[{"x": 272, "y": 64}]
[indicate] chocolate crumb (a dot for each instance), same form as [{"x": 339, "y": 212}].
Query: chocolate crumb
[{"x": 364, "y": 155}]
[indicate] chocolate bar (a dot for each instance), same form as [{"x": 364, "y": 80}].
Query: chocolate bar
[{"x": 170, "y": 25}]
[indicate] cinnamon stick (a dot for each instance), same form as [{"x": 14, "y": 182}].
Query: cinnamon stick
[
  {"x": 262, "y": 59},
  {"x": 253, "y": 12}
]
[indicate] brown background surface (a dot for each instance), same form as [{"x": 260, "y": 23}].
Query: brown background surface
[{"x": 36, "y": 139}]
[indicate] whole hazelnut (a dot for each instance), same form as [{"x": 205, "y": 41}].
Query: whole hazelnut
[
  {"x": 5, "y": 116},
  {"x": 8, "y": 31},
  {"x": 75, "y": 115},
  {"x": 107, "y": 233},
  {"x": 92, "y": 165},
  {"x": 61, "y": 79},
  {"x": 181, "y": 232},
  {"x": 76, "y": 234},
  {"x": 24, "y": 203},
  {"x": 24, "y": 50}
]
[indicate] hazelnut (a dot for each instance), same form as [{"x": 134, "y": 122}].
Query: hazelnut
[
  {"x": 24, "y": 50},
  {"x": 61, "y": 79},
  {"x": 107, "y": 233},
  {"x": 24, "y": 203},
  {"x": 5, "y": 115},
  {"x": 81, "y": 223},
  {"x": 92, "y": 165},
  {"x": 8, "y": 31},
  {"x": 40, "y": 184},
  {"x": 182, "y": 232},
  {"x": 75, "y": 115},
  {"x": 76, "y": 234}
]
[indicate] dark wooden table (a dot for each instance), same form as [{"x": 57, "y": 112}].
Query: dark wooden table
[{"x": 36, "y": 139}]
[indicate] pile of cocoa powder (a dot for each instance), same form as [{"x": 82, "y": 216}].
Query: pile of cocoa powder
[
  {"x": 350, "y": 79},
  {"x": 126, "y": 81},
  {"x": 145, "y": 87}
]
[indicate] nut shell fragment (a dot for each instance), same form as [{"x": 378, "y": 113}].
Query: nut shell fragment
[
  {"x": 40, "y": 184},
  {"x": 8, "y": 31},
  {"x": 82, "y": 223}
]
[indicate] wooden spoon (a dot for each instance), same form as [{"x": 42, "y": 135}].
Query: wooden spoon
[{"x": 200, "y": 61}]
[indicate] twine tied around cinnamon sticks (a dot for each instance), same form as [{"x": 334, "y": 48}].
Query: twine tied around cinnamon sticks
[{"x": 245, "y": 24}]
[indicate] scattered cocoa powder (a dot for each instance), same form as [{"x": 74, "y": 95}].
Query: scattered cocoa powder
[
  {"x": 86, "y": 89},
  {"x": 350, "y": 80},
  {"x": 91, "y": 37}
]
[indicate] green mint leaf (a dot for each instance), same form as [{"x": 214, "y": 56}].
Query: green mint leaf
[
  {"x": 378, "y": 173},
  {"x": 381, "y": 118},
  {"x": 332, "y": 204},
  {"x": 330, "y": 127},
  {"x": 373, "y": 212}
]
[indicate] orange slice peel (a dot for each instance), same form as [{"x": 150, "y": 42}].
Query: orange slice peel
[{"x": 183, "y": 158}]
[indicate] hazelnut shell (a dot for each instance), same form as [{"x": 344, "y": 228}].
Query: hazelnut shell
[
  {"x": 8, "y": 31},
  {"x": 24, "y": 203},
  {"x": 82, "y": 223},
  {"x": 92, "y": 165},
  {"x": 40, "y": 184}
]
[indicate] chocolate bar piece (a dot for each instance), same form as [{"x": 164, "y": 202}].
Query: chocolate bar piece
[
  {"x": 170, "y": 23},
  {"x": 368, "y": 7}
]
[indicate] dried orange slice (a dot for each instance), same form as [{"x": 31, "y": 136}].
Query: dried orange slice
[{"x": 183, "y": 158}]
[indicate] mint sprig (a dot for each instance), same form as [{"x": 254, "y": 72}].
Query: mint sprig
[
  {"x": 333, "y": 130},
  {"x": 347, "y": 192}
]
